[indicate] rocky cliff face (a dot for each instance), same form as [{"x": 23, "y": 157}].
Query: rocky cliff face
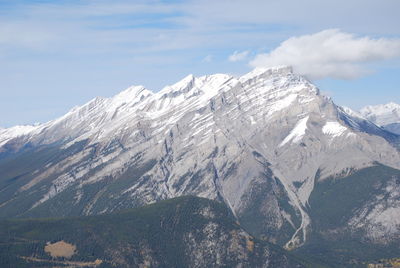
[{"x": 259, "y": 143}]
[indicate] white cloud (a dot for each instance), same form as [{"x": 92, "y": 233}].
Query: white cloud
[
  {"x": 207, "y": 58},
  {"x": 330, "y": 53},
  {"x": 238, "y": 56}
]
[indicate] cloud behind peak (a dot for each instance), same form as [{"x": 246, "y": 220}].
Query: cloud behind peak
[{"x": 330, "y": 53}]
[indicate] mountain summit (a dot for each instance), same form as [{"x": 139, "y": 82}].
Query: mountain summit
[
  {"x": 385, "y": 115},
  {"x": 262, "y": 143}
]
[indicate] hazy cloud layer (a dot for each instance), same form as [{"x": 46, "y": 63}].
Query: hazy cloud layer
[
  {"x": 238, "y": 56},
  {"x": 330, "y": 53},
  {"x": 148, "y": 26}
]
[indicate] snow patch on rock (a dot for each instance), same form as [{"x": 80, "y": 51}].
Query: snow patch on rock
[
  {"x": 333, "y": 129},
  {"x": 297, "y": 132}
]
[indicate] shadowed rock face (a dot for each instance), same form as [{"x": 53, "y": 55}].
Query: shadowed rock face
[
  {"x": 394, "y": 128},
  {"x": 258, "y": 143}
]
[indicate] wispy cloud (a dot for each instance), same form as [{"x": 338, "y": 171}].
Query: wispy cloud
[
  {"x": 89, "y": 26},
  {"x": 330, "y": 53},
  {"x": 108, "y": 25},
  {"x": 238, "y": 56},
  {"x": 207, "y": 58}
]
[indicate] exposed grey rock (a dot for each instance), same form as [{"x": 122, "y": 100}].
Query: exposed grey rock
[{"x": 217, "y": 136}]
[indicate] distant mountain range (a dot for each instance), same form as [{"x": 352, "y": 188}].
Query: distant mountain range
[
  {"x": 387, "y": 116},
  {"x": 294, "y": 168}
]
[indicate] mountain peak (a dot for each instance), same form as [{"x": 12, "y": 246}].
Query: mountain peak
[
  {"x": 392, "y": 104},
  {"x": 279, "y": 79},
  {"x": 261, "y": 72},
  {"x": 382, "y": 114},
  {"x": 389, "y": 105},
  {"x": 182, "y": 86},
  {"x": 133, "y": 93},
  {"x": 351, "y": 112}
]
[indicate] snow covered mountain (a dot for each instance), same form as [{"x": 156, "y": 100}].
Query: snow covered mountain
[
  {"x": 385, "y": 115},
  {"x": 263, "y": 143}
]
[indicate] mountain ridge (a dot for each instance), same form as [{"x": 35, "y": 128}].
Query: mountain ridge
[{"x": 259, "y": 143}]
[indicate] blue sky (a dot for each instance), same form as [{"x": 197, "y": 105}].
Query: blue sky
[{"x": 58, "y": 54}]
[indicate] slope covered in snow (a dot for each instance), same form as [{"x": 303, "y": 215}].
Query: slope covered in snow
[
  {"x": 333, "y": 129},
  {"x": 297, "y": 132},
  {"x": 6, "y": 134}
]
